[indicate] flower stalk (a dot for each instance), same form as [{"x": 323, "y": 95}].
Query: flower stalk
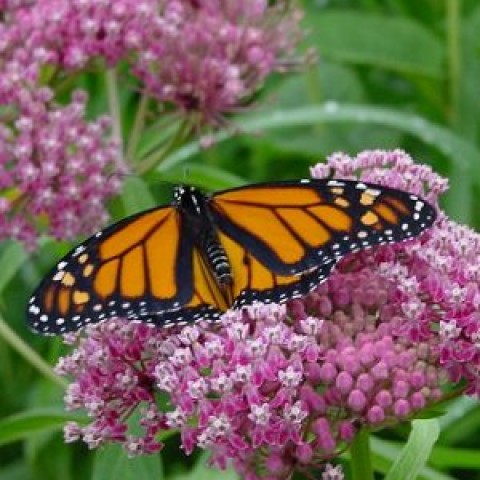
[
  {"x": 29, "y": 354},
  {"x": 114, "y": 107},
  {"x": 137, "y": 129},
  {"x": 279, "y": 387},
  {"x": 361, "y": 457},
  {"x": 155, "y": 158}
]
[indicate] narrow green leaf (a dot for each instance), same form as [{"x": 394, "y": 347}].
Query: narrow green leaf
[
  {"x": 335, "y": 83},
  {"x": 461, "y": 421},
  {"x": 445, "y": 457},
  {"x": 360, "y": 457},
  {"x": 457, "y": 409},
  {"x": 430, "y": 413},
  {"x": 156, "y": 136},
  {"x": 384, "y": 454},
  {"x": 361, "y": 38},
  {"x": 112, "y": 461},
  {"x": 23, "y": 425},
  {"x": 469, "y": 98},
  {"x": 415, "y": 454},
  {"x": 11, "y": 259},
  {"x": 464, "y": 155}
]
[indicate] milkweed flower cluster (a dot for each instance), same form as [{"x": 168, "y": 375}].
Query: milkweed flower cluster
[
  {"x": 204, "y": 56},
  {"x": 56, "y": 169},
  {"x": 282, "y": 388},
  {"x": 444, "y": 271},
  {"x": 209, "y": 55},
  {"x": 8, "y": 5}
]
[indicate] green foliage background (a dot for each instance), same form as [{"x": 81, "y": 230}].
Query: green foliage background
[{"x": 393, "y": 73}]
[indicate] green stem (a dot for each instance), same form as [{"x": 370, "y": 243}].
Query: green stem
[
  {"x": 114, "y": 107},
  {"x": 152, "y": 160},
  {"x": 361, "y": 457},
  {"x": 460, "y": 200},
  {"x": 314, "y": 88},
  {"x": 137, "y": 128},
  {"x": 29, "y": 354},
  {"x": 454, "y": 59},
  {"x": 314, "y": 84}
]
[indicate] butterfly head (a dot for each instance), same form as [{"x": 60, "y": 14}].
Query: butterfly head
[{"x": 189, "y": 199}]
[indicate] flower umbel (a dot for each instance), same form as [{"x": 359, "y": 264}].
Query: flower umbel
[
  {"x": 56, "y": 170},
  {"x": 283, "y": 388},
  {"x": 203, "y": 57},
  {"x": 208, "y": 56}
]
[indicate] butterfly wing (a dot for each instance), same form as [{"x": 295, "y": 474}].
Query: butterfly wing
[
  {"x": 295, "y": 226},
  {"x": 252, "y": 281},
  {"x": 130, "y": 269}
]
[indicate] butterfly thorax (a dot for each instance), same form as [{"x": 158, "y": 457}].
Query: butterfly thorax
[{"x": 199, "y": 223}]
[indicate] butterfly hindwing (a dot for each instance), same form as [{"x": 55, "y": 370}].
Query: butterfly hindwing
[{"x": 253, "y": 282}]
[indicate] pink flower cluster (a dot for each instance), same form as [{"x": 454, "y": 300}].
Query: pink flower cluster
[
  {"x": 276, "y": 389},
  {"x": 332, "y": 473},
  {"x": 443, "y": 273},
  {"x": 56, "y": 170},
  {"x": 210, "y": 54},
  {"x": 7, "y": 5},
  {"x": 202, "y": 56},
  {"x": 71, "y": 33}
]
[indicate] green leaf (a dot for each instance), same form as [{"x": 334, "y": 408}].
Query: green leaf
[
  {"x": 328, "y": 81},
  {"x": 445, "y": 457},
  {"x": 335, "y": 83},
  {"x": 464, "y": 155},
  {"x": 112, "y": 461},
  {"x": 361, "y": 459},
  {"x": 394, "y": 43},
  {"x": 23, "y": 425},
  {"x": 414, "y": 455},
  {"x": 384, "y": 454},
  {"x": 461, "y": 421},
  {"x": 203, "y": 472},
  {"x": 206, "y": 176},
  {"x": 469, "y": 96},
  {"x": 16, "y": 471},
  {"x": 11, "y": 259},
  {"x": 136, "y": 196},
  {"x": 427, "y": 413},
  {"x": 457, "y": 409},
  {"x": 156, "y": 136}
]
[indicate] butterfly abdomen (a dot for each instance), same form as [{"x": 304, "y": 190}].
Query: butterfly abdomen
[{"x": 218, "y": 260}]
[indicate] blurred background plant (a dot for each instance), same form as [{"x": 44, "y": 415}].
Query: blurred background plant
[{"x": 396, "y": 73}]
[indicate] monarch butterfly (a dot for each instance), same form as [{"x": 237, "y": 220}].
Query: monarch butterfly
[{"x": 202, "y": 254}]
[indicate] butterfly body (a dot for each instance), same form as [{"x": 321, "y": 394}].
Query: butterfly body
[
  {"x": 202, "y": 254},
  {"x": 194, "y": 209}
]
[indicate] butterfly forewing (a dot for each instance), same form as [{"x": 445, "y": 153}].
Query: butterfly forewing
[{"x": 130, "y": 269}]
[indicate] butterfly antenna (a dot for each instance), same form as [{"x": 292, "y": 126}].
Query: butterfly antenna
[{"x": 186, "y": 173}]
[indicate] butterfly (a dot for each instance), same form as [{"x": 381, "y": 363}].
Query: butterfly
[{"x": 203, "y": 254}]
